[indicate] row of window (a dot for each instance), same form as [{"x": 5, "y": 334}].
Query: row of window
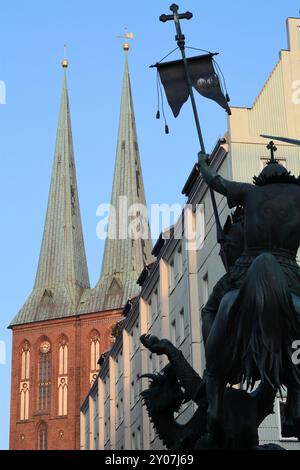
[{"x": 44, "y": 376}]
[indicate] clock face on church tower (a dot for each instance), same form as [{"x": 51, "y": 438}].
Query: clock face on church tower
[{"x": 45, "y": 347}]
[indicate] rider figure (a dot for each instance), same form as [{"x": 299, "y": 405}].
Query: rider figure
[
  {"x": 233, "y": 247},
  {"x": 271, "y": 217},
  {"x": 271, "y": 224}
]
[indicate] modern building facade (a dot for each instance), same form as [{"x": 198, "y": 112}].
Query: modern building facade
[
  {"x": 64, "y": 326},
  {"x": 187, "y": 265}
]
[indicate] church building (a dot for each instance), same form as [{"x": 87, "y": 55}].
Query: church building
[{"x": 65, "y": 325}]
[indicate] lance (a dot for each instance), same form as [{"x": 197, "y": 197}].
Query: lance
[
  {"x": 282, "y": 139},
  {"x": 180, "y": 39}
]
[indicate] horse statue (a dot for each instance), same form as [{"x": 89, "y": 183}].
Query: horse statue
[
  {"x": 178, "y": 384},
  {"x": 252, "y": 319}
]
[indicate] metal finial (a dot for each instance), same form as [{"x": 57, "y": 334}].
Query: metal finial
[
  {"x": 65, "y": 62},
  {"x": 126, "y": 35},
  {"x": 271, "y": 146}
]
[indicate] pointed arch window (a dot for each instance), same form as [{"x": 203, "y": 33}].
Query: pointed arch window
[
  {"x": 114, "y": 293},
  {"x": 42, "y": 436},
  {"x": 24, "y": 382},
  {"x": 63, "y": 377},
  {"x": 44, "y": 379},
  {"x": 95, "y": 355}
]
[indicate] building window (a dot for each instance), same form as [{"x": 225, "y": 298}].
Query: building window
[
  {"x": 137, "y": 337},
  {"x": 133, "y": 441},
  {"x": 63, "y": 377},
  {"x": 96, "y": 421},
  {"x": 179, "y": 263},
  {"x": 121, "y": 410},
  {"x": 155, "y": 304},
  {"x": 181, "y": 334},
  {"x": 149, "y": 314},
  {"x": 137, "y": 389},
  {"x": 42, "y": 437},
  {"x": 117, "y": 369},
  {"x": 44, "y": 383},
  {"x": 87, "y": 429},
  {"x": 134, "y": 339},
  {"x": 95, "y": 355},
  {"x": 150, "y": 364},
  {"x": 106, "y": 432},
  {"x": 132, "y": 394},
  {"x": 173, "y": 332},
  {"x": 106, "y": 410},
  {"x": 138, "y": 438},
  {"x": 24, "y": 382},
  {"x": 205, "y": 289}
]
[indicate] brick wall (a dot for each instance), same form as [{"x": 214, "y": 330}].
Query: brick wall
[{"x": 62, "y": 432}]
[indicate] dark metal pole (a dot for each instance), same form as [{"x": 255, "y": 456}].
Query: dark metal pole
[
  {"x": 180, "y": 38},
  {"x": 181, "y": 44}
]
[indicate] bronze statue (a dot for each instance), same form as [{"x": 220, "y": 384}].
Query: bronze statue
[{"x": 250, "y": 322}]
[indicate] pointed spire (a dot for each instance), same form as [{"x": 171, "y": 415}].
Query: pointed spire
[
  {"x": 62, "y": 272},
  {"x": 124, "y": 257}
]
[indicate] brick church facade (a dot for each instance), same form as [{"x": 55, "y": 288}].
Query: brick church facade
[
  {"x": 65, "y": 325},
  {"x": 50, "y": 417}
]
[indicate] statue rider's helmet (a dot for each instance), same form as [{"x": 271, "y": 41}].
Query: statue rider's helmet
[{"x": 273, "y": 172}]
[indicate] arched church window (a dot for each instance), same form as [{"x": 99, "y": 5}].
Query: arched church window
[
  {"x": 44, "y": 378},
  {"x": 63, "y": 377},
  {"x": 42, "y": 436},
  {"x": 24, "y": 382},
  {"x": 95, "y": 355}
]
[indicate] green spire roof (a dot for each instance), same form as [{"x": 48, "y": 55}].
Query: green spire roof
[
  {"x": 62, "y": 272},
  {"x": 124, "y": 258}
]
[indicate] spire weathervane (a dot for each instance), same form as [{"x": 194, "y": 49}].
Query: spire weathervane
[
  {"x": 65, "y": 62},
  {"x": 127, "y": 36},
  {"x": 180, "y": 39}
]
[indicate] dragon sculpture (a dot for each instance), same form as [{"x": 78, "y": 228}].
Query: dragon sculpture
[{"x": 178, "y": 384}]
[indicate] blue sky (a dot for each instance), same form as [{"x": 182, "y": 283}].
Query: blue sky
[{"x": 31, "y": 47}]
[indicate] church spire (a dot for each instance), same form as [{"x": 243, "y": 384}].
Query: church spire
[
  {"x": 62, "y": 272},
  {"x": 124, "y": 257}
]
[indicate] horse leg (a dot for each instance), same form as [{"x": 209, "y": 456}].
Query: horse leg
[
  {"x": 215, "y": 395},
  {"x": 217, "y": 364},
  {"x": 292, "y": 414}
]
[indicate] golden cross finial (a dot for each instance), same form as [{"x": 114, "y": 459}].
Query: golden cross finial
[
  {"x": 126, "y": 35},
  {"x": 65, "y": 61}
]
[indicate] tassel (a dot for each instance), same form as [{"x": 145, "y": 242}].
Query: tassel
[
  {"x": 158, "y": 114},
  {"x": 166, "y": 129}
]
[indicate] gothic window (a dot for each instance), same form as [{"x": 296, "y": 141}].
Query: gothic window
[
  {"x": 63, "y": 377},
  {"x": 47, "y": 298},
  {"x": 114, "y": 293},
  {"x": 42, "y": 437},
  {"x": 24, "y": 382},
  {"x": 95, "y": 355},
  {"x": 44, "y": 378}
]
